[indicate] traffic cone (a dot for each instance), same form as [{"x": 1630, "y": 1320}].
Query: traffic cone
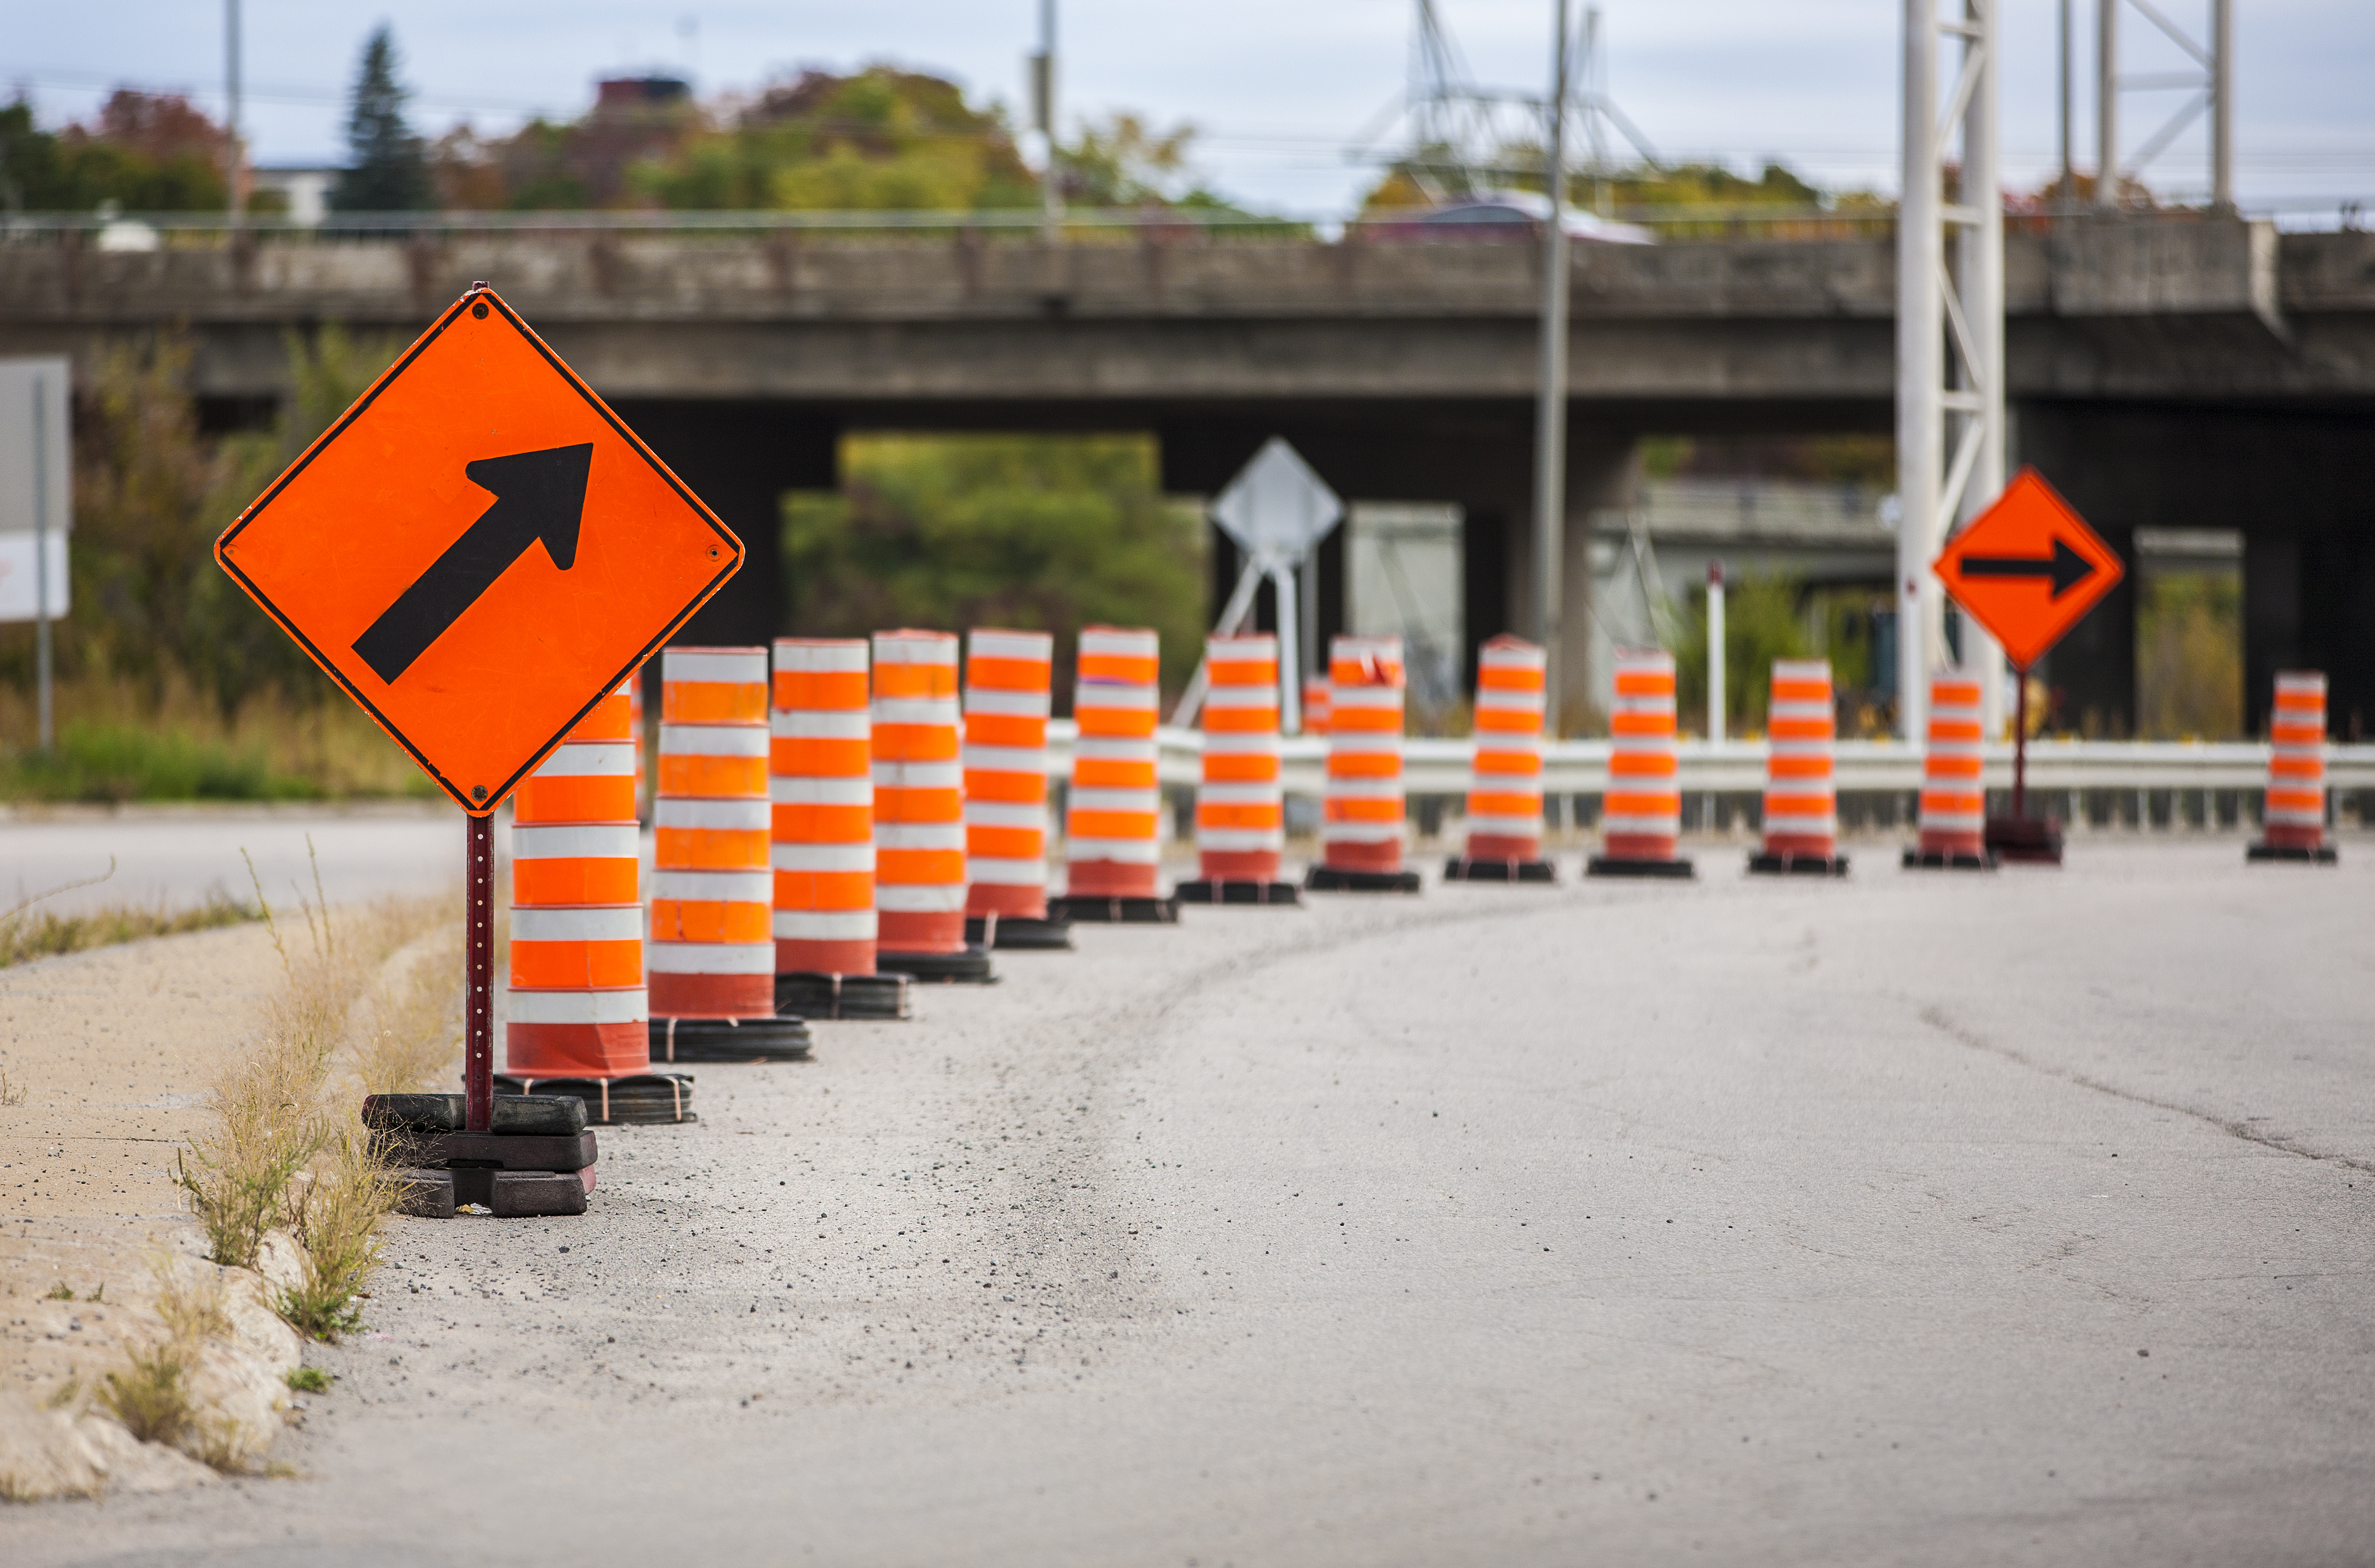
[
  {"x": 1006, "y": 696},
  {"x": 1641, "y": 812},
  {"x": 1801, "y": 811},
  {"x": 821, "y": 792},
  {"x": 919, "y": 885},
  {"x": 1240, "y": 810},
  {"x": 1113, "y": 813},
  {"x": 713, "y": 949},
  {"x": 575, "y": 1019},
  {"x": 2292, "y": 824},
  {"x": 1361, "y": 825},
  {"x": 1954, "y": 799},
  {"x": 1504, "y": 790}
]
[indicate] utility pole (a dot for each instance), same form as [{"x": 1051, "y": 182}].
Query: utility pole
[
  {"x": 2222, "y": 105},
  {"x": 46, "y": 724},
  {"x": 1550, "y": 410},
  {"x": 2106, "y": 102},
  {"x": 2061, "y": 37},
  {"x": 234, "y": 166},
  {"x": 1042, "y": 114},
  {"x": 1949, "y": 344}
]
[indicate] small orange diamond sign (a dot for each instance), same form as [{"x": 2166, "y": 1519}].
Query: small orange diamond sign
[
  {"x": 479, "y": 550},
  {"x": 2028, "y": 568}
]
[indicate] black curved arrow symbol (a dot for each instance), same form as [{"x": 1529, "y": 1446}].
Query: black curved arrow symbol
[
  {"x": 2065, "y": 570},
  {"x": 539, "y": 495}
]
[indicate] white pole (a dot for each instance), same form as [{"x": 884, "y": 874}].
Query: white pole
[
  {"x": 1289, "y": 681},
  {"x": 1714, "y": 650},
  {"x": 1550, "y": 408},
  {"x": 1051, "y": 197},
  {"x": 1920, "y": 367},
  {"x": 2222, "y": 105},
  {"x": 234, "y": 163},
  {"x": 1981, "y": 292},
  {"x": 47, "y": 725}
]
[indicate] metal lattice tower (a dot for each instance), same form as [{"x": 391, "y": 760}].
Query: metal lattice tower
[{"x": 1950, "y": 339}]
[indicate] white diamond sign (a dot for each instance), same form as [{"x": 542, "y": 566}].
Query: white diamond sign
[{"x": 1276, "y": 508}]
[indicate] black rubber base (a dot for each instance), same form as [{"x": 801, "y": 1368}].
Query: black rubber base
[
  {"x": 1765, "y": 865},
  {"x": 520, "y": 1195},
  {"x": 1019, "y": 933},
  {"x": 1459, "y": 868},
  {"x": 1206, "y": 890},
  {"x": 805, "y": 994},
  {"x": 2024, "y": 841},
  {"x": 1329, "y": 879},
  {"x": 730, "y": 1040},
  {"x": 640, "y": 1099},
  {"x": 1116, "y": 912},
  {"x": 970, "y": 967},
  {"x": 1915, "y": 860},
  {"x": 1610, "y": 866},
  {"x": 2323, "y": 854},
  {"x": 425, "y": 1195},
  {"x": 513, "y": 1113}
]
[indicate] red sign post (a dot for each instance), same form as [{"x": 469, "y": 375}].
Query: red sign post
[
  {"x": 479, "y": 551},
  {"x": 2028, "y": 568}
]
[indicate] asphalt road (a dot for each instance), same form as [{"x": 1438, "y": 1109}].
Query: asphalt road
[
  {"x": 175, "y": 857},
  {"x": 1915, "y": 1219}
]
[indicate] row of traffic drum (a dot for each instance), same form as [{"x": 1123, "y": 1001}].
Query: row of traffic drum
[{"x": 857, "y": 819}]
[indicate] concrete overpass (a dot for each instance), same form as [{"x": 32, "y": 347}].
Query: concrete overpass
[{"x": 2164, "y": 372}]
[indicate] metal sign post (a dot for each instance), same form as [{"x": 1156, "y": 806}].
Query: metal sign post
[
  {"x": 36, "y": 513},
  {"x": 1276, "y": 511}
]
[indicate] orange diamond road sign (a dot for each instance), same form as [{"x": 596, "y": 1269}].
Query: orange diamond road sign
[
  {"x": 2028, "y": 568},
  {"x": 479, "y": 550}
]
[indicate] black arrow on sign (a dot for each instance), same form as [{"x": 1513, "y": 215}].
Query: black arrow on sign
[
  {"x": 2066, "y": 570},
  {"x": 539, "y": 495}
]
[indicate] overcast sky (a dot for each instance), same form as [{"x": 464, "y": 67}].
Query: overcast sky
[{"x": 1278, "y": 89}]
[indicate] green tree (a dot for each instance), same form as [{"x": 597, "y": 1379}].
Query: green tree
[
  {"x": 147, "y": 152},
  {"x": 1761, "y": 623},
  {"x": 1037, "y": 532},
  {"x": 388, "y": 170}
]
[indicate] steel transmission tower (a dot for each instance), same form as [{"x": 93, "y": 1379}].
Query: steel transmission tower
[{"x": 1950, "y": 339}]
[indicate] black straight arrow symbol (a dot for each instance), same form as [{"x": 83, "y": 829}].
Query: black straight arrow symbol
[
  {"x": 2065, "y": 569},
  {"x": 539, "y": 495}
]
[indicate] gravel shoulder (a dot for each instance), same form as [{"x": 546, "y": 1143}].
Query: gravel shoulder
[{"x": 1918, "y": 1218}]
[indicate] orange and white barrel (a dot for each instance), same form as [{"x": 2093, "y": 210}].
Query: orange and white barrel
[
  {"x": 1315, "y": 705},
  {"x": 1006, "y": 699},
  {"x": 1362, "y": 813},
  {"x": 1801, "y": 814},
  {"x": 1111, "y": 817},
  {"x": 1240, "y": 808},
  {"x": 919, "y": 879},
  {"x": 575, "y": 1006},
  {"x": 821, "y": 794},
  {"x": 634, "y": 688},
  {"x": 712, "y": 951},
  {"x": 1641, "y": 815},
  {"x": 1954, "y": 799},
  {"x": 2294, "y": 817},
  {"x": 1504, "y": 789}
]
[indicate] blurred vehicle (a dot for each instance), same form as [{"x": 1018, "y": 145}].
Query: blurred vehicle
[{"x": 1503, "y": 214}]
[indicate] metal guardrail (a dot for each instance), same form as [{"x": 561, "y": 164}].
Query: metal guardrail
[{"x": 1737, "y": 767}]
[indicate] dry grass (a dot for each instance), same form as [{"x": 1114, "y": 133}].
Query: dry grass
[
  {"x": 151, "y": 1394},
  {"x": 288, "y": 1148}
]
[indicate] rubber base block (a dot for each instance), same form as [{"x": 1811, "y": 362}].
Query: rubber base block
[
  {"x": 730, "y": 1040},
  {"x": 639, "y": 1098},
  {"x": 1460, "y": 869},
  {"x": 1207, "y": 890},
  {"x": 1019, "y": 933},
  {"x": 1331, "y": 880},
  {"x": 520, "y": 1195},
  {"x": 513, "y": 1113},
  {"x": 1915, "y": 860},
  {"x": 425, "y": 1195},
  {"x": 1765, "y": 865},
  {"x": 2322, "y": 855},
  {"x": 1611, "y": 865},
  {"x": 970, "y": 967},
  {"x": 1116, "y": 912},
  {"x": 879, "y": 996},
  {"x": 431, "y": 1151}
]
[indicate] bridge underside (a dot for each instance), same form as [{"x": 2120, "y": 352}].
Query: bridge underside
[{"x": 2298, "y": 483}]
